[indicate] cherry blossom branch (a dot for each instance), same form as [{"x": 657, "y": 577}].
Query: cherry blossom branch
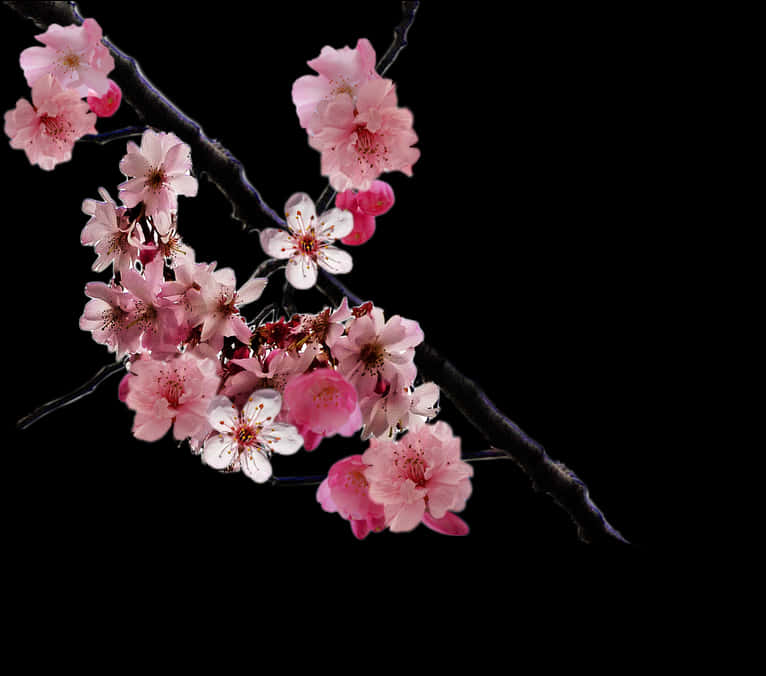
[
  {"x": 116, "y": 135},
  {"x": 104, "y": 373},
  {"x": 248, "y": 207}
]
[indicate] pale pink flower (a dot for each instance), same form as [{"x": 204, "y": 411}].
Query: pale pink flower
[
  {"x": 73, "y": 55},
  {"x": 219, "y": 302},
  {"x": 114, "y": 238},
  {"x": 340, "y": 72},
  {"x": 246, "y": 439},
  {"x": 346, "y": 491},
  {"x": 359, "y": 140},
  {"x": 374, "y": 353},
  {"x": 322, "y": 403},
  {"x": 159, "y": 319},
  {"x": 107, "y": 104},
  {"x": 399, "y": 409},
  {"x": 111, "y": 317},
  {"x": 308, "y": 242},
  {"x": 174, "y": 392},
  {"x": 157, "y": 172},
  {"x": 420, "y": 478},
  {"x": 47, "y": 128}
]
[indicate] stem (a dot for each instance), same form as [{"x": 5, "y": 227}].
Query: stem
[
  {"x": 104, "y": 373},
  {"x": 116, "y": 135}
]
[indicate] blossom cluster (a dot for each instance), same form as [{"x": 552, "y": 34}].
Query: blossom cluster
[
  {"x": 239, "y": 392},
  {"x": 70, "y": 88}
]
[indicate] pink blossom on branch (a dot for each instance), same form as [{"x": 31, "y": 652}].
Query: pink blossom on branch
[
  {"x": 245, "y": 439},
  {"x": 339, "y": 71},
  {"x": 346, "y": 491},
  {"x": 157, "y": 172},
  {"x": 73, "y": 55},
  {"x": 107, "y": 104},
  {"x": 174, "y": 392},
  {"x": 308, "y": 242},
  {"x": 420, "y": 478},
  {"x": 111, "y": 317},
  {"x": 365, "y": 206},
  {"x": 359, "y": 140},
  {"x": 47, "y": 128},
  {"x": 322, "y": 403}
]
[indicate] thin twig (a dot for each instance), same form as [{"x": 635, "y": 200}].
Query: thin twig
[
  {"x": 116, "y": 135},
  {"x": 103, "y": 374}
]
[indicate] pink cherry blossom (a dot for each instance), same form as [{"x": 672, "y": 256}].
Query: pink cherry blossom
[
  {"x": 218, "y": 302},
  {"x": 420, "y": 478},
  {"x": 346, "y": 491},
  {"x": 107, "y": 104},
  {"x": 115, "y": 239},
  {"x": 399, "y": 409},
  {"x": 364, "y": 224},
  {"x": 246, "y": 439},
  {"x": 322, "y": 403},
  {"x": 359, "y": 140},
  {"x": 47, "y": 128},
  {"x": 174, "y": 392},
  {"x": 308, "y": 242},
  {"x": 375, "y": 351},
  {"x": 74, "y": 55},
  {"x": 340, "y": 72},
  {"x": 157, "y": 172},
  {"x": 160, "y": 320},
  {"x": 376, "y": 200},
  {"x": 111, "y": 317}
]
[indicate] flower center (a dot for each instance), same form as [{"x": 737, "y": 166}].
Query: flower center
[
  {"x": 155, "y": 179},
  {"x": 411, "y": 465},
  {"x": 326, "y": 396},
  {"x": 371, "y": 355},
  {"x": 308, "y": 245},
  {"x": 172, "y": 389},
  {"x": 246, "y": 435},
  {"x": 55, "y": 126},
  {"x": 365, "y": 141},
  {"x": 70, "y": 61}
]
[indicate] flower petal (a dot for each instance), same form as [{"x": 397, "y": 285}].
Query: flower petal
[
  {"x": 450, "y": 524},
  {"x": 301, "y": 272},
  {"x": 255, "y": 464},
  {"x": 282, "y": 438},
  {"x": 222, "y": 414},
  {"x": 335, "y": 260},
  {"x": 219, "y": 451},
  {"x": 277, "y": 243},
  {"x": 262, "y": 406},
  {"x": 300, "y": 213},
  {"x": 335, "y": 223}
]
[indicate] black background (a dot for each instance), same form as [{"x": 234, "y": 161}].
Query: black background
[{"x": 519, "y": 245}]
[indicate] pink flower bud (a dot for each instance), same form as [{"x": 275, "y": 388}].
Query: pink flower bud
[
  {"x": 377, "y": 200},
  {"x": 106, "y": 105}
]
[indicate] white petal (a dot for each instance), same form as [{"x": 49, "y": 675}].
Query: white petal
[
  {"x": 277, "y": 243},
  {"x": 255, "y": 465},
  {"x": 251, "y": 290},
  {"x": 219, "y": 451},
  {"x": 184, "y": 185},
  {"x": 335, "y": 224},
  {"x": 282, "y": 438},
  {"x": 262, "y": 406},
  {"x": 300, "y": 213},
  {"x": 134, "y": 164},
  {"x": 301, "y": 272},
  {"x": 222, "y": 414},
  {"x": 335, "y": 260}
]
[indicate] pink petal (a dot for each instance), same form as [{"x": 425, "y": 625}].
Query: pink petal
[{"x": 450, "y": 524}]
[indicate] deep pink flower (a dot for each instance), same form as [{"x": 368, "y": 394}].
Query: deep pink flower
[
  {"x": 420, "y": 478},
  {"x": 111, "y": 317},
  {"x": 308, "y": 241},
  {"x": 346, "y": 491},
  {"x": 171, "y": 392},
  {"x": 376, "y": 351},
  {"x": 340, "y": 72},
  {"x": 111, "y": 234},
  {"x": 359, "y": 140},
  {"x": 47, "y": 128},
  {"x": 157, "y": 172},
  {"x": 107, "y": 104},
  {"x": 246, "y": 438},
  {"x": 364, "y": 224},
  {"x": 322, "y": 403},
  {"x": 73, "y": 55}
]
